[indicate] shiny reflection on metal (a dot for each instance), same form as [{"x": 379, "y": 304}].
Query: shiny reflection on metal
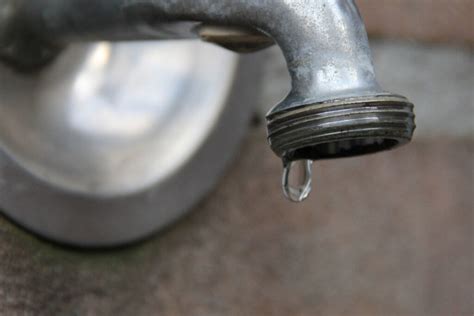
[
  {"x": 110, "y": 120},
  {"x": 113, "y": 141},
  {"x": 336, "y": 108},
  {"x": 324, "y": 42},
  {"x": 300, "y": 191}
]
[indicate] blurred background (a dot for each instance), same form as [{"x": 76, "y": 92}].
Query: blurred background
[{"x": 387, "y": 234}]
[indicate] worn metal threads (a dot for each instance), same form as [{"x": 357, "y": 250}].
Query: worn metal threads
[{"x": 341, "y": 128}]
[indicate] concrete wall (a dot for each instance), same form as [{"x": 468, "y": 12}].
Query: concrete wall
[{"x": 427, "y": 20}]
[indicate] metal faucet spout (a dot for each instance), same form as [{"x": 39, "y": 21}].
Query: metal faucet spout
[
  {"x": 324, "y": 42},
  {"x": 336, "y": 107},
  {"x": 88, "y": 134}
]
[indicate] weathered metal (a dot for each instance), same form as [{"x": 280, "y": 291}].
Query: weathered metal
[{"x": 336, "y": 108}]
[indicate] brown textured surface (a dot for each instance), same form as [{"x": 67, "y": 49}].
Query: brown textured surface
[
  {"x": 429, "y": 20},
  {"x": 389, "y": 234}
]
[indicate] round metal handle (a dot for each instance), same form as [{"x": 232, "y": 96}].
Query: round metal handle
[{"x": 114, "y": 141}]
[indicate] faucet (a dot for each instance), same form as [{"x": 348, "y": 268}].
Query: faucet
[{"x": 335, "y": 108}]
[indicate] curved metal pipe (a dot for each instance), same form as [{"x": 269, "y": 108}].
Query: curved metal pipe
[
  {"x": 324, "y": 42},
  {"x": 336, "y": 107}
]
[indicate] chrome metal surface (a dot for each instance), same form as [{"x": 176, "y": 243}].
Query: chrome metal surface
[
  {"x": 113, "y": 119},
  {"x": 335, "y": 108},
  {"x": 324, "y": 42},
  {"x": 113, "y": 141}
]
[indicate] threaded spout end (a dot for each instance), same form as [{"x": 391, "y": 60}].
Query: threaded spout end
[{"x": 341, "y": 128}]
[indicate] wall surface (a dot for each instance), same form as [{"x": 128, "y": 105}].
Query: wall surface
[{"x": 427, "y": 20}]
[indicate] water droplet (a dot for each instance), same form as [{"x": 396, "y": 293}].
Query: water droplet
[{"x": 297, "y": 180}]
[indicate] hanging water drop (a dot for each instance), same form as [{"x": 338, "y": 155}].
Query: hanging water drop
[{"x": 297, "y": 180}]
